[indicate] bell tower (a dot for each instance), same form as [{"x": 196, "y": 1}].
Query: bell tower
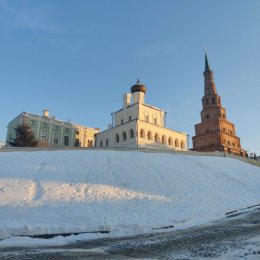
[{"x": 215, "y": 132}]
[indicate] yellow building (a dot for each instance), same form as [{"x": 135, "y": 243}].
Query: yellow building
[
  {"x": 85, "y": 136},
  {"x": 139, "y": 125}
]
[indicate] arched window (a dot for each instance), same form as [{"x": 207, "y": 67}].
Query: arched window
[
  {"x": 176, "y": 142},
  {"x": 182, "y": 144},
  {"x": 107, "y": 143},
  {"x": 156, "y": 137},
  {"x": 142, "y": 133},
  {"x": 155, "y": 119},
  {"x": 170, "y": 142},
  {"x": 146, "y": 117},
  {"x": 132, "y": 135},
  {"x": 89, "y": 143},
  {"x": 149, "y": 135},
  {"x": 164, "y": 139},
  {"x": 117, "y": 138},
  {"x": 124, "y": 135}
]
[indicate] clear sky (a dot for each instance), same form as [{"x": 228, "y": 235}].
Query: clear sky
[{"x": 77, "y": 58}]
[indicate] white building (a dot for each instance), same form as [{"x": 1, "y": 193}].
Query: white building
[{"x": 139, "y": 125}]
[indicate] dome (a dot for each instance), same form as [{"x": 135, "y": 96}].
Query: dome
[{"x": 138, "y": 87}]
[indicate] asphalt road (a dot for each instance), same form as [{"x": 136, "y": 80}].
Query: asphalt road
[{"x": 231, "y": 238}]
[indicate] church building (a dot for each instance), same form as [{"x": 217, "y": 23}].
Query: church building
[
  {"x": 215, "y": 132},
  {"x": 139, "y": 125}
]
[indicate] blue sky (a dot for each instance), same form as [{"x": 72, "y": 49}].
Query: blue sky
[{"x": 77, "y": 58}]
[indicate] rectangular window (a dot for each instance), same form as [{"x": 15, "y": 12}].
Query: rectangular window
[
  {"x": 77, "y": 142},
  {"x": 77, "y": 132},
  {"x": 32, "y": 122},
  {"x": 55, "y": 138},
  {"x": 66, "y": 140},
  {"x": 122, "y": 121},
  {"x": 147, "y": 118},
  {"x": 43, "y": 136},
  {"x": 45, "y": 125},
  {"x": 130, "y": 118},
  {"x": 67, "y": 130},
  {"x": 155, "y": 121},
  {"x": 56, "y": 128}
]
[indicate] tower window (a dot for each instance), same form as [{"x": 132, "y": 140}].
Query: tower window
[
  {"x": 207, "y": 116},
  {"x": 213, "y": 100},
  {"x": 207, "y": 101}
]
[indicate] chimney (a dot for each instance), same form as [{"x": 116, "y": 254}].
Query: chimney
[
  {"x": 127, "y": 99},
  {"x": 45, "y": 113}
]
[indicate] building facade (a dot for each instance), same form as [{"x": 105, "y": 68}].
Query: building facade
[
  {"x": 85, "y": 136},
  {"x": 215, "y": 132},
  {"x": 139, "y": 125},
  {"x": 51, "y": 132}
]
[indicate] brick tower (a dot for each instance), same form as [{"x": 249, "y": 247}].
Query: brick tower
[{"x": 215, "y": 132}]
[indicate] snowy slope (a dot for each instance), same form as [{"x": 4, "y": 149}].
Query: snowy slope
[{"x": 73, "y": 191}]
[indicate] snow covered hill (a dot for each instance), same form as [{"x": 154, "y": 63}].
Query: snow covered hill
[{"x": 93, "y": 190}]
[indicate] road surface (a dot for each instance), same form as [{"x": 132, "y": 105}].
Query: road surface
[{"x": 230, "y": 238}]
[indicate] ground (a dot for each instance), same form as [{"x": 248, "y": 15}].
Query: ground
[{"x": 235, "y": 237}]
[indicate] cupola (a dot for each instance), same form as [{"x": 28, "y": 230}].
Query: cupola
[{"x": 138, "y": 87}]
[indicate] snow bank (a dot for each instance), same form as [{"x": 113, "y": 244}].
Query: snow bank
[{"x": 118, "y": 191}]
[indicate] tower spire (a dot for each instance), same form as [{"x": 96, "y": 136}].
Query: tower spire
[{"x": 207, "y": 68}]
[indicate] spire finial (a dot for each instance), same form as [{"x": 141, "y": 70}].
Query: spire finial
[
  {"x": 138, "y": 81},
  {"x": 206, "y": 62}
]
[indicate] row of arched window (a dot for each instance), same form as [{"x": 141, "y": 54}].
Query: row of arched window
[
  {"x": 149, "y": 136},
  {"x": 156, "y": 137},
  {"x": 124, "y": 136}
]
